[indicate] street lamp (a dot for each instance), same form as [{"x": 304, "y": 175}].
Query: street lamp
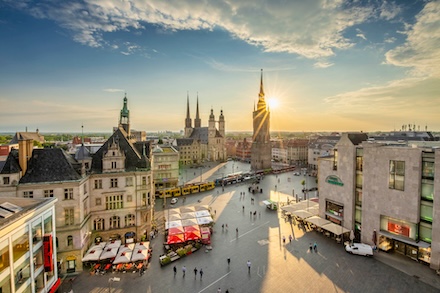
[{"x": 114, "y": 279}]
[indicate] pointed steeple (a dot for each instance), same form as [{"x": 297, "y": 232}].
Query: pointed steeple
[
  {"x": 197, "y": 121},
  {"x": 261, "y": 94},
  {"x": 124, "y": 118},
  {"x": 261, "y": 102},
  {"x": 188, "y": 117}
]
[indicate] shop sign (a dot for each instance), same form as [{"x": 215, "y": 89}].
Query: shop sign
[
  {"x": 398, "y": 229},
  {"x": 335, "y": 180}
]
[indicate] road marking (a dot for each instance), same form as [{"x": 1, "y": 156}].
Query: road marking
[
  {"x": 250, "y": 231},
  {"x": 214, "y": 282},
  {"x": 263, "y": 271}
]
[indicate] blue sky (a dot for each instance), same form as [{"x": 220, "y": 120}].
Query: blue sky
[{"x": 329, "y": 65}]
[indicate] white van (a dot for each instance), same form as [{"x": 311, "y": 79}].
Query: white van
[{"x": 359, "y": 248}]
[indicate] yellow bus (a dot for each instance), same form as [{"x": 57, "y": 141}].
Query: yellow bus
[
  {"x": 195, "y": 189},
  {"x": 186, "y": 190}
]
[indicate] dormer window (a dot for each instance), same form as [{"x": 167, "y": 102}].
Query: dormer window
[{"x": 113, "y": 165}]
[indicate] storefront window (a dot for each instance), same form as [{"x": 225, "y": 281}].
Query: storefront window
[
  {"x": 334, "y": 212},
  {"x": 385, "y": 243},
  {"x": 425, "y": 254},
  {"x": 398, "y": 227}
]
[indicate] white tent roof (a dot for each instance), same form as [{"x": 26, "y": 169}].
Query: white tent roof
[
  {"x": 142, "y": 245},
  {"x": 187, "y": 209},
  {"x": 201, "y": 207},
  {"x": 302, "y": 214},
  {"x": 113, "y": 243},
  {"x": 139, "y": 254},
  {"x": 108, "y": 252},
  {"x": 123, "y": 257},
  {"x": 172, "y": 224},
  {"x": 318, "y": 221},
  {"x": 189, "y": 222},
  {"x": 189, "y": 215},
  {"x": 204, "y": 220},
  {"x": 93, "y": 254},
  {"x": 335, "y": 229},
  {"x": 174, "y": 217},
  {"x": 173, "y": 211},
  {"x": 203, "y": 213}
]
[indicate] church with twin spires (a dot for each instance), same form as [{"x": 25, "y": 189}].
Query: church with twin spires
[{"x": 202, "y": 143}]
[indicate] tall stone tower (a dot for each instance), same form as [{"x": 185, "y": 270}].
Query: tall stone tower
[
  {"x": 188, "y": 127},
  {"x": 261, "y": 152},
  {"x": 124, "y": 118},
  {"x": 221, "y": 124}
]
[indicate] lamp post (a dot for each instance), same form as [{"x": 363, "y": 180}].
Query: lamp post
[{"x": 113, "y": 279}]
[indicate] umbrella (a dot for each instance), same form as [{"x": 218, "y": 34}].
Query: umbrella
[
  {"x": 201, "y": 207},
  {"x": 175, "y": 230},
  {"x": 189, "y": 215},
  {"x": 142, "y": 245},
  {"x": 192, "y": 228},
  {"x": 172, "y": 224},
  {"x": 126, "y": 247},
  {"x": 93, "y": 254},
  {"x": 203, "y": 213},
  {"x": 193, "y": 235},
  {"x": 123, "y": 257},
  {"x": 108, "y": 253},
  {"x": 178, "y": 238},
  {"x": 318, "y": 221},
  {"x": 113, "y": 243},
  {"x": 174, "y": 217},
  {"x": 139, "y": 254},
  {"x": 187, "y": 209},
  {"x": 204, "y": 220},
  {"x": 302, "y": 214},
  {"x": 189, "y": 222},
  {"x": 174, "y": 211}
]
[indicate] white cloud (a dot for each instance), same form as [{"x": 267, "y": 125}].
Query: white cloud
[
  {"x": 322, "y": 64},
  {"x": 389, "y": 10},
  {"x": 311, "y": 29},
  {"x": 114, "y": 90},
  {"x": 420, "y": 51}
]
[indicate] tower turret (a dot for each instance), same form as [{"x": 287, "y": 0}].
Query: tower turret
[
  {"x": 221, "y": 124},
  {"x": 188, "y": 127},
  {"x": 197, "y": 121},
  {"x": 124, "y": 118}
]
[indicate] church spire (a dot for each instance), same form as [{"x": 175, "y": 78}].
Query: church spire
[
  {"x": 261, "y": 102},
  {"x": 124, "y": 118},
  {"x": 188, "y": 118},
  {"x": 261, "y": 94},
  {"x": 197, "y": 121}
]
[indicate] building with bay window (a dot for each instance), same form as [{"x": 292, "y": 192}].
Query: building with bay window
[{"x": 386, "y": 193}]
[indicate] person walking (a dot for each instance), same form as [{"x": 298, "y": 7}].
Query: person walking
[
  {"x": 249, "y": 266},
  {"x": 184, "y": 271},
  {"x": 201, "y": 274},
  {"x": 290, "y": 238},
  {"x": 284, "y": 239},
  {"x": 311, "y": 247},
  {"x": 315, "y": 247},
  {"x": 236, "y": 231},
  {"x": 175, "y": 270},
  {"x": 219, "y": 290},
  {"x": 229, "y": 261},
  {"x": 195, "y": 273}
]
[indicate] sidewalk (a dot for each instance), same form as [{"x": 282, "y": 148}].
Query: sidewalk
[{"x": 409, "y": 267}]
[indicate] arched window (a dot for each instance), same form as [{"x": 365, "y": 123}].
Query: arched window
[
  {"x": 115, "y": 222},
  {"x": 98, "y": 224},
  {"x": 70, "y": 240},
  {"x": 130, "y": 220}
]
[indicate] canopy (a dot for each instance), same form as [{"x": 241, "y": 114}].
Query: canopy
[
  {"x": 314, "y": 210},
  {"x": 174, "y": 217},
  {"x": 113, "y": 243},
  {"x": 123, "y": 257},
  {"x": 173, "y": 239},
  {"x": 201, "y": 207},
  {"x": 318, "y": 221},
  {"x": 172, "y": 224},
  {"x": 335, "y": 229},
  {"x": 189, "y": 222},
  {"x": 204, "y": 220},
  {"x": 302, "y": 214},
  {"x": 302, "y": 205},
  {"x": 93, "y": 254},
  {"x": 192, "y": 235},
  {"x": 173, "y": 211},
  {"x": 189, "y": 215},
  {"x": 126, "y": 247},
  {"x": 187, "y": 209},
  {"x": 142, "y": 245},
  {"x": 203, "y": 213},
  {"x": 139, "y": 254},
  {"x": 108, "y": 253},
  {"x": 192, "y": 228},
  {"x": 175, "y": 230}
]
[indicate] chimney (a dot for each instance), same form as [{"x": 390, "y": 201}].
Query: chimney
[{"x": 24, "y": 153}]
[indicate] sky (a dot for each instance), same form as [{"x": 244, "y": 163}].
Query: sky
[{"x": 329, "y": 65}]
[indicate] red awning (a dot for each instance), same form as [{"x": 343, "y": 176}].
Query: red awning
[
  {"x": 55, "y": 286},
  {"x": 194, "y": 235},
  {"x": 173, "y": 239},
  {"x": 192, "y": 228},
  {"x": 175, "y": 230}
]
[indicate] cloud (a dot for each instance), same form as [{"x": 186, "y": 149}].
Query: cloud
[
  {"x": 360, "y": 34},
  {"x": 389, "y": 10},
  {"x": 322, "y": 64},
  {"x": 311, "y": 29},
  {"x": 420, "y": 51},
  {"x": 114, "y": 90}
]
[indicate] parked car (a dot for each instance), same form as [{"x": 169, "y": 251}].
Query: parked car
[
  {"x": 359, "y": 248},
  {"x": 296, "y": 174},
  {"x": 173, "y": 200}
]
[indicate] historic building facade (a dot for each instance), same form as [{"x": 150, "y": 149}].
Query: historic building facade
[
  {"x": 202, "y": 143},
  {"x": 261, "y": 153},
  {"x": 106, "y": 194}
]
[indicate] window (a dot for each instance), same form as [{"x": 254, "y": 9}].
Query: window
[
  {"x": 70, "y": 240},
  {"x": 359, "y": 180},
  {"x": 144, "y": 199},
  {"x": 428, "y": 189},
  {"x": 28, "y": 194},
  {"x": 359, "y": 159},
  {"x": 358, "y": 194},
  {"x": 85, "y": 188},
  {"x": 98, "y": 201},
  {"x": 149, "y": 199},
  {"x": 98, "y": 224},
  {"x": 115, "y": 222},
  {"x": 114, "y": 165},
  {"x": 48, "y": 193},
  {"x": 68, "y": 193},
  {"x": 144, "y": 180},
  {"x": 428, "y": 170},
  {"x": 114, "y": 182},
  {"x": 129, "y": 181},
  {"x": 98, "y": 183},
  {"x": 69, "y": 216},
  {"x": 335, "y": 160},
  {"x": 397, "y": 175},
  {"x": 129, "y": 220},
  {"x": 6, "y": 180},
  {"x": 114, "y": 202},
  {"x": 426, "y": 211},
  {"x": 129, "y": 198}
]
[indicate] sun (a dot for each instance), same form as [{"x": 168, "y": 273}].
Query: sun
[{"x": 273, "y": 102}]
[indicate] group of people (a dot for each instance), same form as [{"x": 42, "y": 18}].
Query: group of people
[
  {"x": 184, "y": 272},
  {"x": 313, "y": 247}
]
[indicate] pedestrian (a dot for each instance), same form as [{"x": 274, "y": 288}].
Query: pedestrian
[
  {"x": 249, "y": 266},
  {"x": 243, "y": 208},
  {"x": 284, "y": 239},
  {"x": 195, "y": 273},
  {"x": 175, "y": 270},
  {"x": 227, "y": 291},
  {"x": 229, "y": 261},
  {"x": 315, "y": 247},
  {"x": 236, "y": 230},
  {"x": 219, "y": 290},
  {"x": 250, "y": 213},
  {"x": 223, "y": 226},
  {"x": 201, "y": 274},
  {"x": 226, "y": 226},
  {"x": 311, "y": 247},
  {"x": 290, "y": 238},
  {"x": 215, "y": 212},
  {"x": 184, "y": 271},
  {"x": 259, "y": 214}
]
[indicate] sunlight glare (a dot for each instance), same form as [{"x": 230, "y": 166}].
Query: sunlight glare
[{"x": 273, "y": 103}]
